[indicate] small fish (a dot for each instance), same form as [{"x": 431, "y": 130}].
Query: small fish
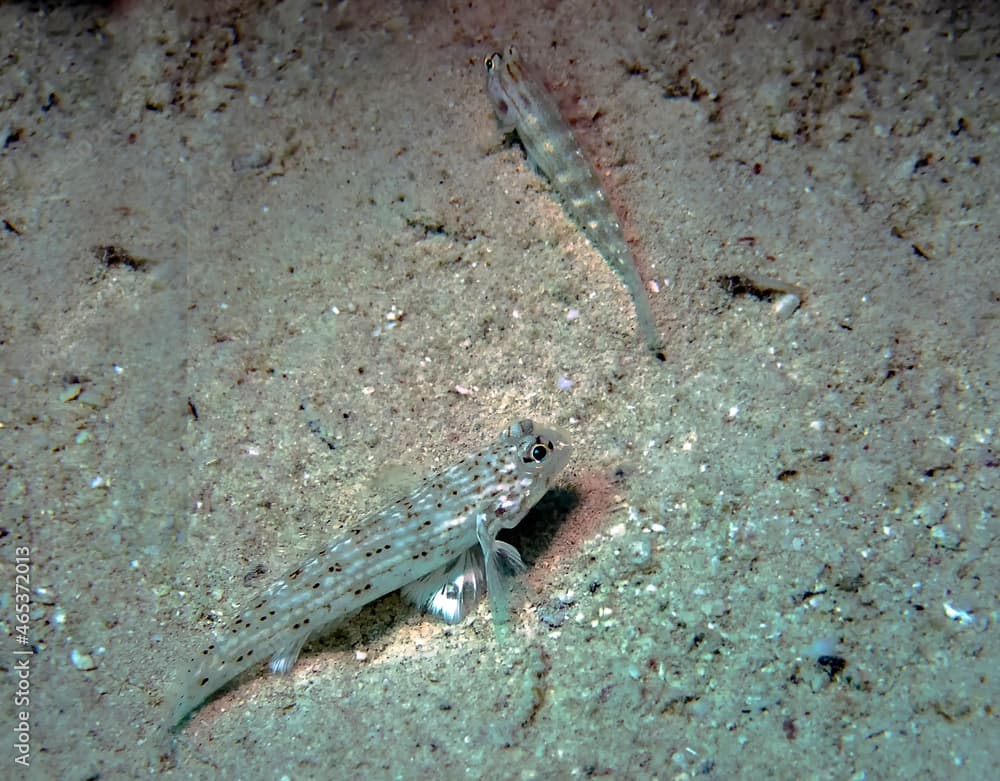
[
  {"x": 522, "y": 103},
  {"x": 439, "y": 542}
]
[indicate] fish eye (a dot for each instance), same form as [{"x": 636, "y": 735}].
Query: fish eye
[
  {"x": 539, "y": 452},
  {"x": 490, "y": 61}
]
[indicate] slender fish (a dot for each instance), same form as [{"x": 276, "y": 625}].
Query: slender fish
[
  {"x": 522, "y": 103},
  {"x": 439, "y": 542}
]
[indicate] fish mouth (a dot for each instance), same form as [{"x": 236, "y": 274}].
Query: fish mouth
[{"x": 561, "y": 449}]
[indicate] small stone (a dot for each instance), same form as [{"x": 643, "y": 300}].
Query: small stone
[
  {"x": 785, "y": 306},
  {"x": 71, "y": 392},
  {"x": 81, "y": 660},
  {"x": 946, "y": 537},
  {"x": 553, "y": 614},
  {"x": 256, "y": 158},
  {"x": 639, "y": 552},
  {"x": 92, "y": 398}
]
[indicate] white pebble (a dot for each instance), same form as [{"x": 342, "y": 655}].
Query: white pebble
[
  {"x": 82, "y": 661},
  {"x": 785, "y": 306},
  {"x": 964, "y": 617}
]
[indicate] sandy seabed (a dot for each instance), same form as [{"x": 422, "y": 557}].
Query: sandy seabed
[{"x": 265, "y": 263}]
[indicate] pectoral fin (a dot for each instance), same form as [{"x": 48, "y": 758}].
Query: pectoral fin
[{"x": 450, "y": 591}]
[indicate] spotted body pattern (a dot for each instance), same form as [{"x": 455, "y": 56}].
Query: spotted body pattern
[
  {"x": 522, "y": 103},
  {"x": 439, "y": 542}
]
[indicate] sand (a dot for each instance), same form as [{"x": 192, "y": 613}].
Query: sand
[{"x": 265, "y": 264}]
